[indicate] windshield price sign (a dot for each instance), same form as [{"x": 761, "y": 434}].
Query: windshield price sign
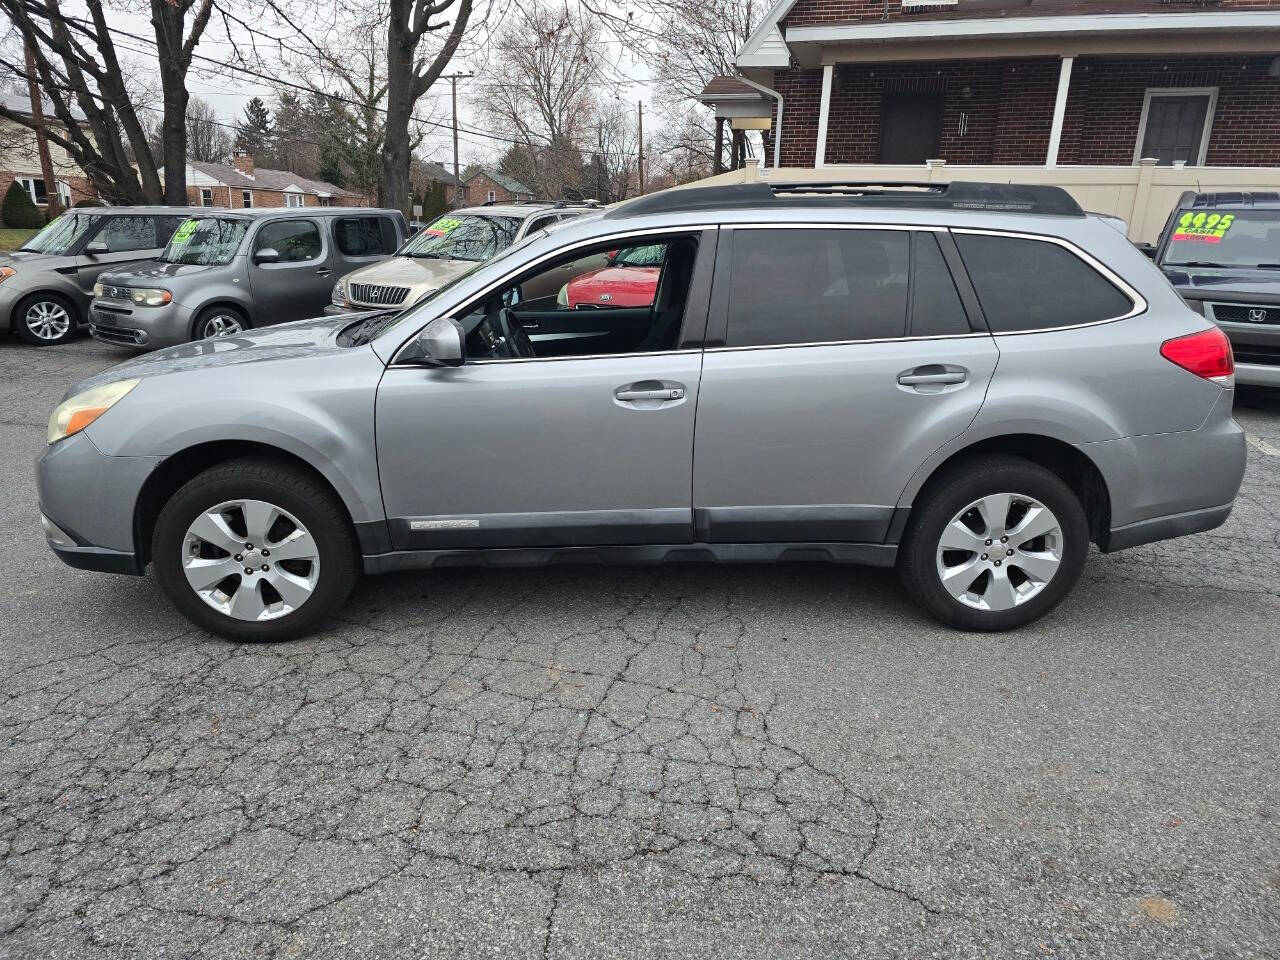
[
  {"x": 1204, "y": 227},
  {"x": 445, "y": 224},
  {"x": 184, "y": 232}
]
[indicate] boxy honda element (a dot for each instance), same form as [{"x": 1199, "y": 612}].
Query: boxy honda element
[
  {"x": 224, "y": 272},
  {"x": 971, "y": 382}
]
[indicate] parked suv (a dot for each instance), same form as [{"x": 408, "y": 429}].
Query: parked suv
[
  {"x": 226, "y": 271},
  {"x": 971, "y": 382},
  {"x": 448, "y": 247},
  {"x": 1222, "y": 253},
  {"x": 47, "y": 283}
]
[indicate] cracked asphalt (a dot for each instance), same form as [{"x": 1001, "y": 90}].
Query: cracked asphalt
[{"x": 686, "y": 761}]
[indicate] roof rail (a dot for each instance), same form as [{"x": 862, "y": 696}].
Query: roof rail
[
  {"x": 1230, "y": 198},
  {"x": 960, "y": 195}
]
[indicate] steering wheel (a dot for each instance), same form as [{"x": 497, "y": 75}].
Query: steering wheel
[{"x": 516, "y": 341}]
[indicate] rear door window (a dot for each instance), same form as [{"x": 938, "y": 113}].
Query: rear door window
[
  {"x": 1026, "y": 284},
  {"x": 936, "y": 307},
  {"x": 817, "y": 286},
  {"x": 295, "y": 240},
  {"x": 369, "y": 236}
]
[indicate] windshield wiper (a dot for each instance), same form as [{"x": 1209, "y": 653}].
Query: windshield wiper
[
  {"x": 429, "y": 256},
  {"x": 1198, "y": 263},
  {"x": 1269, "y": 266}
]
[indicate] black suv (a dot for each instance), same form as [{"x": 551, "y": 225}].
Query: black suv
[{"x": 1222, "y": 253}]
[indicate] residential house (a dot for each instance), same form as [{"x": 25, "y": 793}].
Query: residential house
[
  {"x": 240, "y": 184},
  {"x": 20, "y": 161},
  {"x": 487, "y": 185},
  {"x": 1089, "y": 94}
]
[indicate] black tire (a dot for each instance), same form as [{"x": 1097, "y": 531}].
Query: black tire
[
  {"x": 290, "y": 490},
  {"x": 209, "y": 313},
  {"x": 943, "y": 500},
  {"x": 29, "y": 312}
]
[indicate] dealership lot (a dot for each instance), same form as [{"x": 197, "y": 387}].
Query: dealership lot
[{"x": 682, "y": 761}]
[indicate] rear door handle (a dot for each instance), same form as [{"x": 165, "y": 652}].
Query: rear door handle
[{"x": 923, "y": 379}]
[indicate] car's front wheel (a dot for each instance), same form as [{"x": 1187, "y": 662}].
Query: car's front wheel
[
  {"x": 215, "y": 323},
  {"x": 994, "y": 544},
  {"x": 45, "y": 319},
  {"x": 255, "y": 550}
]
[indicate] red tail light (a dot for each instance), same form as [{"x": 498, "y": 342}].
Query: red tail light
[{"x": 1206, "y": 354}]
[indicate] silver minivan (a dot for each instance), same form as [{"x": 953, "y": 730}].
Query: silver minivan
[
  {"x": 224, "y": 272},
  {"x": 46, "y": 285},
  {"x": 969, "y": 382}
]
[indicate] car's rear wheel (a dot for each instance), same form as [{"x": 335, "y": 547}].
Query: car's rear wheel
[
  {"x": 217, "y": 322},
  {"x": 254, "y": 550},
  {"x": 994, "y": 544},
  {"x": 45, "y": 319}
]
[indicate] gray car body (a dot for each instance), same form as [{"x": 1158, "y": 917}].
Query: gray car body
[
  {"x": 264, "y": 294},
  {"x": 525, "y": 461},
  {"x": 73, "y": 274}
]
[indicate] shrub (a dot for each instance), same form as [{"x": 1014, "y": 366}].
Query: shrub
[{"x": 18, "y": 211}]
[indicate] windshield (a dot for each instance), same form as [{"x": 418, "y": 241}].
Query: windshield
[
  {"x": 471, "y": 236},
  {"x": 62, "y": 233},
  {"x": 1225, "y": 238},
  {"x": 205, "y": 241}
]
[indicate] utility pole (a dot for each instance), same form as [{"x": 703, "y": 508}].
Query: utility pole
[
  {"x": 42, "y": 142},
  {"x": 453, "y": 79},
  {"x": 640, "y": 143}
]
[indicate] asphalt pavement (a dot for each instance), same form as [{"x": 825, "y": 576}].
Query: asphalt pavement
[{"x": 686, "y": 761}]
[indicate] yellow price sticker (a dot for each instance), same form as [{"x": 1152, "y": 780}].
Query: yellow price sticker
[
  {"x": 1203, "y": 227},
  {"x": 445, "y": 224}
]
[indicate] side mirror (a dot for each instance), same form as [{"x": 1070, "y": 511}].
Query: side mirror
[
  {"x": 97, "y": 248},
  {"x": 1147, "y": 248},
  {"x": 439, "y": 344},
  {"x": 266, "y": 255}
]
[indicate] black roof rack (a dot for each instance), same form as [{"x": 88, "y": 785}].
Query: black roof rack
[
  {"x": 997, "y": 197},
  {"x": 1230, "y": 199}
]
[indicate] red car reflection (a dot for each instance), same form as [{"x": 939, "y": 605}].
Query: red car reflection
[{"x": 629, "y": 280}]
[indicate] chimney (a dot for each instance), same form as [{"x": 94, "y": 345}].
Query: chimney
[{"x": 243, "y": 161}]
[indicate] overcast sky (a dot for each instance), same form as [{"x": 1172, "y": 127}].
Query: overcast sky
[{"x": 229, "y": 94}]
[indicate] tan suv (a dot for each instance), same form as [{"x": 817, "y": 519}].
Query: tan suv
[{"x": 447, "y": 248}]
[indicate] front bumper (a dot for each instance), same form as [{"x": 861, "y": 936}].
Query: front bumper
[
  {"x": 9, "y": 297},
  {"x": 123, "y": 324},
  {"x": 1258, "y": 374},
  {"x": 87, "y": 503}
]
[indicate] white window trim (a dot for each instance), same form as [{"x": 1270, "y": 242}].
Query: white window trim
[
  {"x": 63, "y": 189},
  {"x": 493, "y": 195},
  {"x": 206, "y": 193},
  {"x": 1152, "y": 92},
  {"x": 246, "y": 195},
  {"x": 293, "y": 199}
]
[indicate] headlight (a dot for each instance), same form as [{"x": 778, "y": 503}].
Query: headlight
[
  {"x": 339, "y": 295},
  {"x": 145, "y": 297},
  {"x": 6, "y": 273},
  {"x": 76, "y": 413},
  {"x": 99, "y": 290}
]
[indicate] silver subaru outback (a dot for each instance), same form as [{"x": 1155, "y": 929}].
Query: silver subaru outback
[{"x": 971, "y": 382}]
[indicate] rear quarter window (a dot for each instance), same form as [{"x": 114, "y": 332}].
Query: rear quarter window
[
  {"x": 365, "y": 236},
  {"x": 1025, "y": 284}
]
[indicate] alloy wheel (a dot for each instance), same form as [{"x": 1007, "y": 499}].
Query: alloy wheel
[
  {"x": 47, "y": 320},
  {"x": 220, "y": 325},
  {"x": 1000, "y": 551},
  {"x": 250, "y": 560}
]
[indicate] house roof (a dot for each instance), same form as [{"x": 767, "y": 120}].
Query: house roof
[
  {"x": 719, "y": 89},
  {"x": 439, "y": 173},
  {"x": 510, "y": 184},
  {"x": 202, "y": 174},
  {"x": 769, "y": 47},
  {"x": 20, "y": 103}
]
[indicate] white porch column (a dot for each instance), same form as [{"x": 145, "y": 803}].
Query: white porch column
[
  {"x": 824, "y": 110},
  {"x": 1059, "y": 111}
]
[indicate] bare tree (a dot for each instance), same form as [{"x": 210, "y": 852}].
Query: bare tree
[
  {"x": 613, "y": 151},
  {"x": 208, "y": 140},
  {"x": 78, "y": 67},
  {"x": 547, "y": 64}
]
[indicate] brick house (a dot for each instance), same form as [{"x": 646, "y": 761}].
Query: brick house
[
  {"x": 1013, "y": 82},
  {"x": 490, "y": 186},
  {"x": 240, "y": 185},
  {"x": 20, "y": 161}
]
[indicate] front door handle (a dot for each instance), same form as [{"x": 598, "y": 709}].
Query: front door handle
[
  {"x": 665, "y": 393},
  {"x": 649, "y": 393},
  {"x": 323, "y": 272},
  {"x": 934, "y": 379}
]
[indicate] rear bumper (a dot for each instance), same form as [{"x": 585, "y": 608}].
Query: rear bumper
[{"x": 1166, "y": 528}]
